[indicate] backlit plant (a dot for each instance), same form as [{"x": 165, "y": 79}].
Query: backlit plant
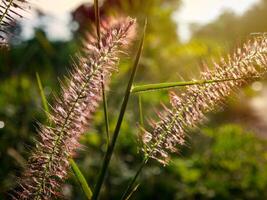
[{"x": 71, "y": 113}]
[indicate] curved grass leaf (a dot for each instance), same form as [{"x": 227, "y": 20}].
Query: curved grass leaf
[{"x": 80, "y": 177}]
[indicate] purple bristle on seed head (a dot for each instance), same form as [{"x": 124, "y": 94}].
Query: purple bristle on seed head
[{"x": 9, "y": 12}]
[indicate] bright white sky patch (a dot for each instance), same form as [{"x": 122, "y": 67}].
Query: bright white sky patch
[
  {"x": 57, "y": 22},
  {"x": 204, "y": 11},
  {"x": 58, "y": 7},
  {"x": 191, "y": 11}
]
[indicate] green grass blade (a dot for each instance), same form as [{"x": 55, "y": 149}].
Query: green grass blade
[
  {"x": 141, "y": 116},
  {"x": 132, "y": 192},
  {"x": 130, "y": 189},
  {"x": 105, "y": 105},
  {"x": 162, "y": 86},
  {"x": 41, "y": 90},
  {"x": 81, "y": 179},
  {"x": 110, "y": 150},
  {"x": 97, "y": 22}
]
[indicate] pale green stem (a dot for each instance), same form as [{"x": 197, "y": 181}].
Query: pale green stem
[
  {"x": 162, "y": 86},
  {"x": 80, "y": 177}
]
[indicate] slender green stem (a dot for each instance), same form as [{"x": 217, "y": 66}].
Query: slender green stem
[
  {"x": 97, "y": 22},
  {"x": 132, "y": 191},
  {"x": 82, "y": 181},
  {"x": 161, "y": 86},
  {"x": 110, "y": 150},
  {"x": 105, "y": 105},
  {"x": 140, "y": 110},
  {"x": 41, "y": 90},
  {"x": 130, "y": 188}
]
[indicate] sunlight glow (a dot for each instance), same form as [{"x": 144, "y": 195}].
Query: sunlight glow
[
  {"x": 191, "y": 11},
  {"x": 204, "y": 11}
]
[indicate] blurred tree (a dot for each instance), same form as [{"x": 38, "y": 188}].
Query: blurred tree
[{"x": 157, "y": 43}]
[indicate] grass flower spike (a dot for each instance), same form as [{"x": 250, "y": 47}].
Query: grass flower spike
[
  {"x": 71, "y": 114},
  {"x": 9, "y": 9},
  {"x": 189, "y": 109}
]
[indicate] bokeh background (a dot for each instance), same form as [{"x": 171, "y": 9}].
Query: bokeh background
[{"x": 226, "y": 158}]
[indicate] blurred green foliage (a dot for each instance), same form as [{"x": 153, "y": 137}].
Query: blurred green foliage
[
  {"x": 220, "y": 162},
  {"x": 226, "y": 162}
]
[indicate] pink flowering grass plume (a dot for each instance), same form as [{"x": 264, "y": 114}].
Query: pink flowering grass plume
[
  {"x": 189, "y": 109},
  {"x": 9, "y": 10},
  {"x": 72, "y": 112}
]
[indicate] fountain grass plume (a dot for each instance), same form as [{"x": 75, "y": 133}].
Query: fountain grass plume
[
  {"x": 73, "y": 109},
  {"x": 188, "y": 110}
]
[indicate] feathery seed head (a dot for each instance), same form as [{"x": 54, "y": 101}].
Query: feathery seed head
[
  {"x": 189, "y": 109},
  {"x": 73, "y": 109}
]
